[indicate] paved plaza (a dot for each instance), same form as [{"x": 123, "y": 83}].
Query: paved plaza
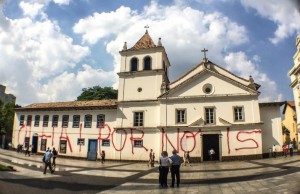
[{"x": 274, "y": 175}]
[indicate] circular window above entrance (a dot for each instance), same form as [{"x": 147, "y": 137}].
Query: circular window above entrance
[{"x": 208, "y": 89}]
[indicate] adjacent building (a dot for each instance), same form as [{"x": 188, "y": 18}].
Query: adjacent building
[
  {"x": 289, "y": 124},
  {"x": 206, "y": 108},
  {"x": 6, "y": 98}
]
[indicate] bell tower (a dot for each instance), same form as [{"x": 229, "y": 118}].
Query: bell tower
[{"x": 143, "y": 71}]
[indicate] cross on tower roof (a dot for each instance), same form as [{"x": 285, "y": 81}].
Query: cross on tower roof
[
  {"x": 204, "y": 51},
  {"x": 146, "y": 27}
]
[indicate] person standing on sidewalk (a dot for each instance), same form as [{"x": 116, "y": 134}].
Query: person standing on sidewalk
[
  {"x": 175, "y": 168},
  {"x": 48, "y": 156},
  {"x": 102, "y": 156},
  {"x": 54, "y": 152},
  {"x": 165, "y": 163},
  {"x": 291, "y": 149},
  {"x": 274, "y": 151},
  {"x": 150, "y": 157}
]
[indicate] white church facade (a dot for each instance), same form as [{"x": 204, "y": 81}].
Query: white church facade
[{"x": 208, "y": 107}]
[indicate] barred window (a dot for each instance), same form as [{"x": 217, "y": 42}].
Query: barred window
[
  {"x": 181, "y": 116},
  {"x": 37, "y": 120},
  {"x": 76, "y": 121},
  {"x": 100, "y": 120},
  {"x": 209, "y": 115},
  {"x": 22, "y": 118},
  {"x": 45, "y": 120},
  {"x": 239, "y": 114},
  {"x": 138, "y": 119},
  {"x": 88, "y": 121},
  {"x": 29, "y": 119},
  {"x": 55, "y": 121},
  {"x": 65, "y": 121}
]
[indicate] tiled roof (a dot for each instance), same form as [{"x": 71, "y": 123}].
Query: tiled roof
[
  {"x": 144, "y": 43},
  {"x": 92, "y": 104}
]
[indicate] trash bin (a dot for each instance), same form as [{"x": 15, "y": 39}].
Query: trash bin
[{"x": 92, "y": 156}]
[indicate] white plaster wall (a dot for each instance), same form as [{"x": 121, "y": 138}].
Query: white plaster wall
[
  {"x": 272, "y": 128},
  {"x": 195, "y": 109}
]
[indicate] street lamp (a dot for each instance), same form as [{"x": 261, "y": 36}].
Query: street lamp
[{"x": 165, "y": 88}]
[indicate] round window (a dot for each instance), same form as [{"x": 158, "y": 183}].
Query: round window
[{"x": 207, "y": 89}]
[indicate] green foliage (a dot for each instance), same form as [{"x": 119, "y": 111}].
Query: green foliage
[
  {"x": 7, "y": 118},
  {"x": 98, "y": 93}
]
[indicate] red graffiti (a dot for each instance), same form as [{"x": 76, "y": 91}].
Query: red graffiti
[
  {"x": 23, "y": 126},
  {"x": 52, "y": 136},
  {"x": 250, "y": 139},
  {"x": 26, "y": 131},
  {"x": 164, "y": 134},
  {"x": 66, "y": 137},
  {"x": 228, "y": 145},
  {"x": 115, "y": 131},
  {"x": 80, "y": 132},
  {"x": 136, "y": 138},
  {"x": 44, "y": 136},
  {"x": 101, "y": 128},
  {"x": 193, "y": 136}
]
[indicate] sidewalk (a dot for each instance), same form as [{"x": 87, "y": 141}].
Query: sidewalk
[{"x": 280, "y": 175}]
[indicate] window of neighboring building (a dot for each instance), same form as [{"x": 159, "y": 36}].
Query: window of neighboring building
[
  {"x": 37, "y": 120},
  {"x": 22, "y": 118},
  {"x": 106, "y": 142},
  {"x": 45, "y": 120},
  {"x": 76, "y": 121},
  {"x": 138, "y": 143},
  {"x": 55, "y": 121},
  {"x": 100, "y": 120},
  {"x": 63, "y": 146},
  {"x": 239, "y": 114},
  {"x": 29, "y": 119},
  {"x": 138, "y": 119},
  {"x": 88, "y": 121},
  {"x": 65, "y": 121},
  {"x": 80, "y": 141},
  {"x": 147, "y": 63},
  {"x": 43, "y": 144},
  {"x": 210, "y": 115},
  {"x": 180, "y": 116},
  {"x": 134, "y": 64}
]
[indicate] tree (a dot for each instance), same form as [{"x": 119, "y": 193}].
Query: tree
[
  {"x": 98, "y": 93},
  {"x": 7, "y": 118}
]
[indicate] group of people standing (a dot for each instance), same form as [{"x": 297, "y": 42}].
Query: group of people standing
[
  {"x": 285, "y": 149},
  {"x": 47, "y": 160},
  {"x": 167, "y": 163}
]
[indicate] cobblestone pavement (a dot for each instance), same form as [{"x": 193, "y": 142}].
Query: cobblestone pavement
[{"x": 274, "y": 175}]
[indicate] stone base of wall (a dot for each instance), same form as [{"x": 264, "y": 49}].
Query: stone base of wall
[{"x": 243, "y": 157}]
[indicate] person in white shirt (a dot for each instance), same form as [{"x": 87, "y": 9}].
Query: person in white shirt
[
  {"x": 211, "y": 153},
  {"x": 274, "y": 151},
  {"x": 165, "y": 162}
]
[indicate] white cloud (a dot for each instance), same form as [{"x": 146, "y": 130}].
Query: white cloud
[
  {"x": 31, "y": 9},
  {"x": 239, "y": 64},
  {"x": 283, "y": 13},
  {"x": 62, "y": 2},
  {"x": 183, "y": 29},
  {"x": 37, "y": 61}
]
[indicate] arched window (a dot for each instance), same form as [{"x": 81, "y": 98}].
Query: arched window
[
  {"x": 134, "y": 64},
  {"x": 147, "y": 63}
]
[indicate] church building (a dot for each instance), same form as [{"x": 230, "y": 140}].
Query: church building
[{"x": 206, "y": 108}]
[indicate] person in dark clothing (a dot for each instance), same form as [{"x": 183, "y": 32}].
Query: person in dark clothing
[
  {"x": 103, "y": 156},
  {"x": 175, "y": 168},
  {"x": 54, "y": 153}
]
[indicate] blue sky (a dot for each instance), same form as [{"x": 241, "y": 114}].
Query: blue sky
[{"x": 51, "y": 49}]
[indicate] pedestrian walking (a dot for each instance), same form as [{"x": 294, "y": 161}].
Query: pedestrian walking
[
  {"x": 27, "y": 150},
  {"x": 150, "y": 157},
  {"x": 186, "y": 158},
  {"x": 291, "y": 147},
  {"x": 153, "y": 159},
  {"x": 54, "y": 153},
  {"x": 274, "y": 151},
  {"x": 102, "y": 156},
  {"x": 285, "y": 149},
  {"x": 175, "y": 168},
  {"x": 165, "y": 162},
  {"x": 47, "y": 161},
  {"x": 211, "y": 153}
]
